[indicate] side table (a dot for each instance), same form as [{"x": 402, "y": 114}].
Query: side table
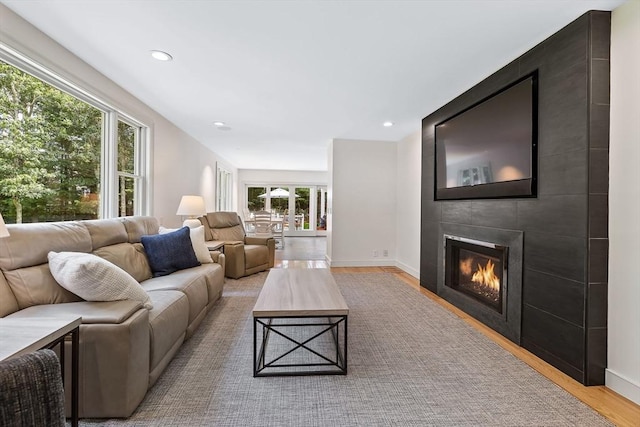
[{"x": 21, "y": 335}]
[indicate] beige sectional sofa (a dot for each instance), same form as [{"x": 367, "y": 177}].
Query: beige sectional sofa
[{"x": 124, "y": 347}]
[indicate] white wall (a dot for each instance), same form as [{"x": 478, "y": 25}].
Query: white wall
[
  {"x": 408, "y": 193},
  {"x": 180, "y": 164},
  {"x": 623, "y": 371},
  {"x": 363, "y": 203}
]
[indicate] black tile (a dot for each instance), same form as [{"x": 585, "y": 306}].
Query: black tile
[
  {"x": 600, "y": 34},
  {"x": 598, "y": 260},
  {"x": 556, "y": 255},
  {"x": 560, "y": 338},
  {"x": 560, "y": 297},
  {"x": 430, "y": 241},
  {"x": 599, "y": 126},
  {"x": 569, "y": 46},
  {"x": 563, "y": 115},
  {"x": 598, "y": 216},
  {"x": 533, "y": 60},
  {"x": 598, "y": 171},
  {"x": 494, "y": 213},
  {"x": 426, "y": 189},
  {"x": 428, "y": 275},
  {"x": 563, "y": 173},
  {"x": 600, "y": 77},
  {"x": 564, "y": 215},
  {"x": 497, "y": 81},
  {"x": 574, "y": 372},
  {"x": 457, "y": 211},
  {"x": 430, "y": 209},
  {"x": 597, "y": 301},
  {"x": 596, "y": 356}
]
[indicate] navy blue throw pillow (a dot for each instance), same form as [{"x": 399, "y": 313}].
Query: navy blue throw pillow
[{"x": 169, "y": 252}]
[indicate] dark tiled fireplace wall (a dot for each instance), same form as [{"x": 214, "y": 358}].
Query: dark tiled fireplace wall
[{"x": 564, "y": 277}]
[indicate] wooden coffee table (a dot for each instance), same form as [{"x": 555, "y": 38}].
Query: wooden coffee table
[{"x": 300, "y": 325}]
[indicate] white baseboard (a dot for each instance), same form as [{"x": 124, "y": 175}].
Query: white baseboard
[
  {"x": 412, "y": 271},
  {"x": 623, "y": 386}
]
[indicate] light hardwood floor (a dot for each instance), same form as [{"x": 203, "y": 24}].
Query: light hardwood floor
[{"x": 608, "y": 403}]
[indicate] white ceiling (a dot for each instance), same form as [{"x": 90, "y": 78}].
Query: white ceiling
[{"x": 287, "y": 77}]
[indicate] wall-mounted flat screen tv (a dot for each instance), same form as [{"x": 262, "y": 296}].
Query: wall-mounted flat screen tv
[{"x": 489, "y": 150}]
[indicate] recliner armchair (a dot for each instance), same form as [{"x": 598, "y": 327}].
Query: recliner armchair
[{"x": 244, "y": 254}]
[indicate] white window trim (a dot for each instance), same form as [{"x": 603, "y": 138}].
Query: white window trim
[{"x": 224, "y": 189}]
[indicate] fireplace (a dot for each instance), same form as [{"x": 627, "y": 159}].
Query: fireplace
[
  {"x": 477, "y": 269},
  {"x": 480, "y": 272}
]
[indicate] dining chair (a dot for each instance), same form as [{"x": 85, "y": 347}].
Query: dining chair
[{"x": 262, "y": 222}]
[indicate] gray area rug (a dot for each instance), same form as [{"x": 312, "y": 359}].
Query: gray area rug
[{"x": 411, "y": 363}]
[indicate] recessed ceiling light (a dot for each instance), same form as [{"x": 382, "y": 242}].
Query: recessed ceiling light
[
  {"x": 161, "y": 56},
  {"x": 387, "y": 124},
  {"x": 218, "y": 124}
]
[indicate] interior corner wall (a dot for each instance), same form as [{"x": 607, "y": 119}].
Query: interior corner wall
[
  {"x": 180, "y": 164},
  {"x": 408, "y": 204},
  {"x": 564, "y": 292},
  {"x": 363, "y": 206},
  {"x": 623, "y": 367}
]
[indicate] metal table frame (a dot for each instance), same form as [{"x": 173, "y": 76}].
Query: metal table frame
[
  {"x": 333, "y": 364},
  {"x": 75, "y": 341}
]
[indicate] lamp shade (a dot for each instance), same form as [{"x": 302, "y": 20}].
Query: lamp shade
[
  {"x": 191, "y": 206},
  {"x": 3, "y": 228}
]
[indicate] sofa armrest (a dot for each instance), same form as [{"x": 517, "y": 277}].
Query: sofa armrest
[
  {"x": 269, "y": 242},
  {"x": 256, "y": 240},
  {"x": 234, "y": 259},
  {"x": 219, "y": 258}
]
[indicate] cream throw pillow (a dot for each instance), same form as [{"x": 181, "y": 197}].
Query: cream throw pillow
[
  {"x": 197, "y": 241},
  {"x": 95, "y": 279}
]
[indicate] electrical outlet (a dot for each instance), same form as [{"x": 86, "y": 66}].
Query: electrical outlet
[
  {"x": 385, "y": 252},
  {"x": 375, "y": 253}
]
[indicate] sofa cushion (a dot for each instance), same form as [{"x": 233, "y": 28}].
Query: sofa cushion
[
  {"x": 105, "y": 232},
  {"x": 29, "y": 244},
  {"x": 167, "y": 323},
  {"x": 35, "y": 285},
  {"x": 8, "y": 302},
  {"x": 129, "y": 257},
  {"x": 225, "y": 226},
  {"x": 223, "y": 219},
  {"x": 95, "y": 279},
  {"x": 197, "y": 241},
  {"x": 170, "y": 252},
  {"x": 192, "y": 282},
  {"x": 138, "y": 226}
]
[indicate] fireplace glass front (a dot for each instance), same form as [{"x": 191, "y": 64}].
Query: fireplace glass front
[{"x": 477, "y": 269}]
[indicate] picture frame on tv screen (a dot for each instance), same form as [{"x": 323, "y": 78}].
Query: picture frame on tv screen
[{"x": 489, "y": 149}]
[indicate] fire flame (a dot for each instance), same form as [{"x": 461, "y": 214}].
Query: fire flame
[{"x": 486, "y": 276}]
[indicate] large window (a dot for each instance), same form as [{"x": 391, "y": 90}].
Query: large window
[
  {"x": 64, "y": 155},
  {"x": 302, "y": 208}
]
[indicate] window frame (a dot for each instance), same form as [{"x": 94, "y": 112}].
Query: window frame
[
  {"x": 224, "y": 189},
  {"x": 108, "y": 207}
]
